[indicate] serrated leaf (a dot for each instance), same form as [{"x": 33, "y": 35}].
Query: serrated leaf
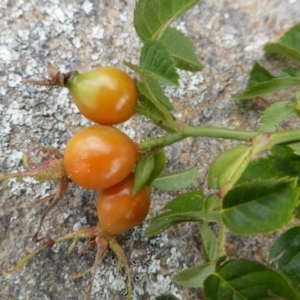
[
  {"x": 287, "y": 162},
  {"x": 159, "y": 164},
  {"x": 152, "y": 17},
  {"x": 287, "y": 249},
  {"x": 182, "y": 50},
  {"x": 194, "y": 277},
  {"x": 148, "y": 109},
  {"x": 275, "y": 114},
  {"x": 295, "y": 147},
  {"x": 187, "y": 207},
  {"x": 157, "y": 63},
  {"x": 160, "y": 95},
  {"x": 288, "y": 45},
  {"x": 209, "y": 243},
  {"x": 142, "y": 171},
  {"x": 258, "y": 74},
  {"x": 245, "y": 279},
  {"x": 260, "y": 207},
  {"x": 282, "y": 162},
  {"x": 262, "y": 168},
  {"x": 297, "y": 212},
  {"x": 175, "y": 181},
  {"x": 151, "y": 102},
  {"x": 261, "y": 82},
  {"x": 228, "y": 167},
  {"x": 212, "y": 207},
  {"x": 166, "y": 297}
]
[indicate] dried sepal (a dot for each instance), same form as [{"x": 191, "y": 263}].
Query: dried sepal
[{"x": 56, "y": 78}]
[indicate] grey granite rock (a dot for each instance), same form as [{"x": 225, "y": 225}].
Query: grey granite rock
[{"x": 229, "y": 36}]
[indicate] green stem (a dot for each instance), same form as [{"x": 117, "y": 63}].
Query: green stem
[
  {"x": 221, "y": 240},
  {"x": 198, "y": 131},
  {"x": 275, "y": 138},
  {"x": 282, "y": 137}
]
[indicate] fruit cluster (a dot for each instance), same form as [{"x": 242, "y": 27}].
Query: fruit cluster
[
  {"x": 98, "y": 157},
  {"x": 101, "y": 157}
]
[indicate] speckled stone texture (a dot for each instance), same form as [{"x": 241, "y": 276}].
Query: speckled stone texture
[{"x": 229, "y": 36}]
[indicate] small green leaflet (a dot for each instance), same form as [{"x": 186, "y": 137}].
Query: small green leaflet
[
  {"x": 145, "y": 89},
  {"x": 209, "y": 243},
  {"x": 159, "y": 94},
  {"x": 143, "y": 171},
  {"x": 275, "y": 114},
  {"x": 187, "y": 207},
  {"x": 286, "y": 254},
  {"x": 260, "y": 206},
  {"x": 288, "y": 45},
  {"x": 152, "y": 17},
  {"x": 194, "y": 277},
  {"x": 159, "y": 164},
  {"x": 228, "y": 167},
  {"x": 175, "y": 181},
  {"x": 182, "y": 50},
  {"x": 157, "y": 63},
  {"x": 261, "y": 82},
  {"x": 282, "y": 162},
  {"x": 245, "y": 279}
]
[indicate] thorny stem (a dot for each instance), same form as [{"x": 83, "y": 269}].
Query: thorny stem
[{"x": 202, "y": 131}]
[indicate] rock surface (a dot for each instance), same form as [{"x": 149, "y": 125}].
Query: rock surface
[{"x": 229, "y": 36}]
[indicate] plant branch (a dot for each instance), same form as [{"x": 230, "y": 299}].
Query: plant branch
[{"x": 198, "y": 131}]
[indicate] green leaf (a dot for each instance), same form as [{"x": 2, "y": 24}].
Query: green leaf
[
  {"x": 182, "y": 50},
  {"x": 175, "y": 181},
  {"x": 152, "y": 103},
  {"x": 262, "y": 168},
  {"x": 209, "y": 243},
  {"x": 260, "y": 207},
  {"x": 157, "y": 63},
  {"x": 244, "y": 279},
  {"x": 282, "y": 162},
  {"x": 295, "y": 147},
  {"x": 159, "y": 164},
  {"x": 261, "y": 82},
  {"x": 187, "y": 207},
  {"x": 286, "y": 253},
  {"x": 152, "y": 17},
  {"x": 194, "y": 277},
  {"x": 258, "y": 74},
  {"x": 287, "y": 162},
  {"x": 275, "y": 114},
  {"x": 288, "y": 45},
  {"x": 297, "y": 212},
  {"x": 212, "y": 207},
  {"x": 166, "y": 297},
  {"x": 159, "y": 94},
  {"x": 228, "y": 167},
  {"x": 143, "y": 171}
]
